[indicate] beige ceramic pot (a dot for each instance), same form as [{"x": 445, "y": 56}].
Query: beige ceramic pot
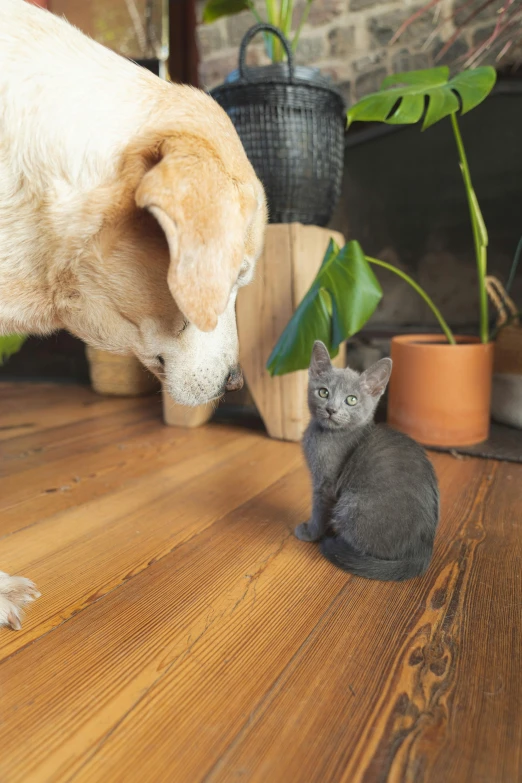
[{"x": 121, "y": 376}]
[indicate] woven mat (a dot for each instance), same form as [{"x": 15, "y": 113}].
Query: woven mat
[{"x": 504, "y": 443}]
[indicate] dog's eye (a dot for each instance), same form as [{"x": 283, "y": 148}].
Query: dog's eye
[
  {"x": 160, "y": 360},
  {"x": 323, "y": 393},
  {"x": 243, "y": 272},
  {"x": 184, "y": 326}
]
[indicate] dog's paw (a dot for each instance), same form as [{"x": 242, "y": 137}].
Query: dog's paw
[
  {"x": 302, "y": 532},
  {"x": 15, "y": 593}
]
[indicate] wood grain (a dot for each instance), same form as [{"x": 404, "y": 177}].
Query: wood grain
[
  {"x": 185, "y": 635},
  {"x": 56, "y": 409}
]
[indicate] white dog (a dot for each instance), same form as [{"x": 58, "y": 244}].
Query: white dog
[{"x": 129, "y": 213}]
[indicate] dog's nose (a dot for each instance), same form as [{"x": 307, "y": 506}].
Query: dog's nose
[{"x": 235, "y": 380}]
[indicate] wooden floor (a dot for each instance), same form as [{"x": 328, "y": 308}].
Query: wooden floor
[{"x": 185, "y": 635}]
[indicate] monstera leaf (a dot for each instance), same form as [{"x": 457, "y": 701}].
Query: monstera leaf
[
  {"x": 214, "y": 9},
  {"x": 10, "y": 345},
  {"x": 402, "y": 97},
  {"x": 341, "y": 299}
]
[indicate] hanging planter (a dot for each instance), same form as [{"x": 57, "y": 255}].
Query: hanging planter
[{"x": 291, "y": 121}]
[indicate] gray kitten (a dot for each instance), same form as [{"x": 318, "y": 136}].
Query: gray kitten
[{"x": 375, "y": 494}]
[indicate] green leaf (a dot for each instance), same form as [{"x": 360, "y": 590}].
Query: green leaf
[
  {"x": 10, "y": 345},
  {"x": 340, "y": 300},
  {"x": 402, "y": 96},
  {"x": 433, "y": 76},
  {"x": 214, "y": 9},
  {"x": 441, "y": 104},
  {"x": 409, "y": 110},
  {"x": 473, "y": 86}
]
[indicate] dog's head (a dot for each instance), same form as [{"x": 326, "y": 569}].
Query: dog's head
[
  {"x": 171, "y": 275},
  {"x": 212, "y": 212}
]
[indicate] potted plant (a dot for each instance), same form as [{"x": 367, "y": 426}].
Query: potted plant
[
  {"x": 440, "y": 388},
  {"x": 278, "y": 13},
  {"x": 290, "y": 118}
]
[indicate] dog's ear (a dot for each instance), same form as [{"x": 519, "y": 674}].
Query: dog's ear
[{"x": 205, "y": 215}]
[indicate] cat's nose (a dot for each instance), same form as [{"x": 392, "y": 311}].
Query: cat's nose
[
  {"x": 235, "y": 379},
  {"x": 329, "y": 410}
]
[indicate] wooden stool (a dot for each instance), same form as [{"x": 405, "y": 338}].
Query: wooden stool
[{"x": 290, "y": 261}]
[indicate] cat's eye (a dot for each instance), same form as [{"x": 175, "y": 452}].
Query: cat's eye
[
  {"x": 351, "y": 400},
  {"x": 323, "y": 393}
]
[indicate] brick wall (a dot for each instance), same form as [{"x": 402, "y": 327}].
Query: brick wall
[{"x": 348, "y": 39}]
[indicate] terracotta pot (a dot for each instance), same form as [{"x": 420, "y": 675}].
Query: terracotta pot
[{"x": 440, "y": 394}]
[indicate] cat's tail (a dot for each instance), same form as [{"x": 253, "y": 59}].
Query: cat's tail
[{"x": 343, "y": 556}]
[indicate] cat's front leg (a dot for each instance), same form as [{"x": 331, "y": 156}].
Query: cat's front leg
[{"x": 317, "y": 526}]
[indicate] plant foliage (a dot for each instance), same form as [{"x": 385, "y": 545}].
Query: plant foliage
[
  {"x": 404, "y": 99},
  {"x": 279, "y": 13},
  {"x": 215, "y": 9},
  {"x": 403, "y": 96},
  {"x": 9, "y": 345},
  {"x": 341, "y": 299}
]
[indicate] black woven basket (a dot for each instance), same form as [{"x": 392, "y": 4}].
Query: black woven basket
[{"x": 291, "y": 121}]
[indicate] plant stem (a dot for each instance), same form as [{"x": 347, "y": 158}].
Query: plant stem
[
  {"x": 514, "y": 266},
  {"x": 283, "y": 13},
  {"x": 254, "y": 12},
  {"x": 479, "y": 231},
  {"x": 434, "y": 309},
  {"x": 302, "y": 22},
  {"x": 273, "y": 18},
  {"x": 286, "y": 16},
  {"x": 271, "y": 12}
]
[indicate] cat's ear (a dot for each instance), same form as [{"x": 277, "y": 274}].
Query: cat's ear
[
  {"x": 320, "y": 361},
  {"x": 375, "y": 379}
]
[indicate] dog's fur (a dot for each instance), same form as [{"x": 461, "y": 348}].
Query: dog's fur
[{"x": 129, "y": 213}]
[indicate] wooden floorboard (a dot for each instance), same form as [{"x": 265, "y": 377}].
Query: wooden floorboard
[{"x": 185, "y": 635}]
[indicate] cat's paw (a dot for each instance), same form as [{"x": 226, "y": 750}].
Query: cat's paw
[
  {"x": 303, "y": 533},
  {"x": 15, "y": 593}
]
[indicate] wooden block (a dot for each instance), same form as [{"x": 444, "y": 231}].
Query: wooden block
[
  {"x": 291, "y": 258},
  {"x": 118, "y": 375},
  {"x": 184, "y": 416}
]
